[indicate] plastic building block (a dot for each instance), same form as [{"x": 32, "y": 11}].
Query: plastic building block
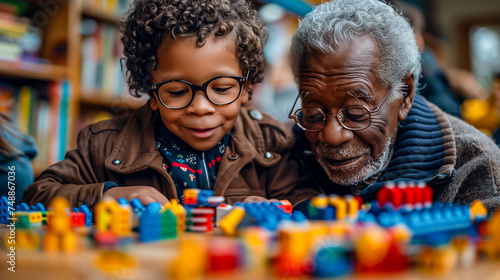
[
  {"x": 168, "y": 225},
  {"x": 114, "y": 217},
  {"x": 221, "y": 211},
  {"x": 28, "y": 219},
  {"x": 215, "y": 201},
  {"x": 23, "y": 207},
  {"x": 223, "y": 255},
  {"x": 352, "y": 206},
  {"x": 478, "y": 210},
  {"x": 436, "y": 260},
  {"x": 178, "y": 211},
  {"x": 390, "y": 193},
  {"x": 492, "y": 247},
  {"x": 319, "y": 209},
  {"x": 294, "y": 247},
  {"x": 285, "y": 205},
  {"x": 38, "y": 207},
  {"x": 26, "y": 239},
  {"x": 190, "y": 197},
  {"x": 340, "y": 205},
  {"x": 59, "y": 235},
  {"x": 190, "y": 262},
  {"x": 149, "y": 226},
  {"x": 88, "y": 215},
  {"x": 77, "y": 219},
  {"x": 4, "y": 210},
  {"x": 229, "y": 223},
  {"x": 331, "y": 261},
  {"x": 201, "y": 219}
]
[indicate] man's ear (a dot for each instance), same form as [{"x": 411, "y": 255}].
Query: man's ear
[
  {"x": 246, "y": 91},
  {"x": 153, "y": 102},
  {"x": 408, "y": 97}
]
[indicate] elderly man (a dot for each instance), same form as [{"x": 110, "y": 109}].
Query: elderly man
[{"x": 357, "y": 65}]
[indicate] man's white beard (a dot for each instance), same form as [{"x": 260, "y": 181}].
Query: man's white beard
[{"x": 367, "y": 171}]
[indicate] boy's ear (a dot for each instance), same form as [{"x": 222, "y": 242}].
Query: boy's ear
[
  {"x": 153, "y": 102},
  {"x": 409, "y": 96},
  {"x": 245, "y": 94}
]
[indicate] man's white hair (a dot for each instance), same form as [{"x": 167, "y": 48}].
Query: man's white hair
[{"x": 334, "y": 25}]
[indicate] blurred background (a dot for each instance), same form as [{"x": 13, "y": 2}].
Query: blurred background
[{"x": 60, "y": 69}]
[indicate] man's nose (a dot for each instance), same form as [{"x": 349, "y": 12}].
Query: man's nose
[{"x": 334, "y": 134}]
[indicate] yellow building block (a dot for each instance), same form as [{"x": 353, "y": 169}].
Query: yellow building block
[
  {"x": 114, "y": 217},
  {"x": 179, "y": 211},
  {"x": 191, "y": 194},
  {"x": 477, "y": 209},
  {"x": 319, "y": 201},
  {"x": 229, "y": 223},
  {"x": 191, "y": 261},
  {"x": 340, "y": 205},
  {"x": 352, "y": 207}
]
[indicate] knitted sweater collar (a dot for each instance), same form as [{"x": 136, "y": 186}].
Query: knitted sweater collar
[
  {"x": 419, "y": 150},
  {"x": 423, "y": 151}
]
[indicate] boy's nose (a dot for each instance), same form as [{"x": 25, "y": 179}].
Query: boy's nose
[{"x": 200, "y": 105}]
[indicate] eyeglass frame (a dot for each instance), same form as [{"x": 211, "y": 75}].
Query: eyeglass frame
[
  {"x": 370, "y": 112},
  {"x": 195, "y": 88}
]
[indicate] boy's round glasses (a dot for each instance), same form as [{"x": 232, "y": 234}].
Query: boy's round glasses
[
  {"x": 354, "y": 117},
  {"x": 179, "y": 94}
]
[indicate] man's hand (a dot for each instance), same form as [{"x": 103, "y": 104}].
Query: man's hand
[
  {"x": 260, "y": 199},
  {"x": 145, "y": 194}
]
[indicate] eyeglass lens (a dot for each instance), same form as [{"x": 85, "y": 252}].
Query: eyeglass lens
[
  {"x": 178, "y": 94},
  {"x": 351, "y": 117}
]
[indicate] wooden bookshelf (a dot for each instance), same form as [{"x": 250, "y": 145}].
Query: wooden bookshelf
[
  {"x": 100, "y": 15},
  {"x": 31, "y": 70},
  {"x": 111, "y": 100}
]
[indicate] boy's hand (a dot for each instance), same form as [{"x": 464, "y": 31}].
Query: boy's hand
[
  {"x": 145, "y": 194},
  {"x": 256, "y": 198}
]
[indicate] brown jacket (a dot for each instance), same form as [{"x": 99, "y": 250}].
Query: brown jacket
[{"x": 256, "y": 162}]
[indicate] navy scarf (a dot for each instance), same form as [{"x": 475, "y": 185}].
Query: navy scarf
[{"x": 188, "y": 167}]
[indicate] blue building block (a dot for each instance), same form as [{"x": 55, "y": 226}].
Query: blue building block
[
  {"x": 123, "y": 201},
  {"x": 154, "y": 207},
  {"x": 4, "y": 210},
  {"x": 23, "y": 207},
  {"x": 149, "y": 226},
  {"x": 332, "y": 261},
  {"x": 88, "y": 215}
]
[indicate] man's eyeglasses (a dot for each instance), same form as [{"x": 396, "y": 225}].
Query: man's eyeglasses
[
  {"x": 178, "y": 94},
  {"x": 354, "y": 117}
]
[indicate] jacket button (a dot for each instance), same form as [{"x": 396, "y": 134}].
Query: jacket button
[
  {"x": 255, "y": 114},
  {"x": 89, "y": 200},
  {"x": 268, "y": 155},
  {"x": 233, "y": 156},
  {"x": 116, "y": 162}
]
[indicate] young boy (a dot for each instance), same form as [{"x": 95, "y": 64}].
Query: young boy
[{"x": 198, "y": 61}]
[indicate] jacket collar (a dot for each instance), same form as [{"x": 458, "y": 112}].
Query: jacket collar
[{"x": 135, "y": 147}]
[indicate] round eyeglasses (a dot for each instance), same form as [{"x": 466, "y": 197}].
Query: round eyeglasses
[
  {"x": 355, "y": 117},
  {"x": 179, "y": 94}
]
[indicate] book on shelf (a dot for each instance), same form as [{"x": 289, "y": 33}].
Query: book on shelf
[
  {"x": 41, "y": 111},
  {"x": 110, "y": 7},
  {"x": 101, "y": 67}
]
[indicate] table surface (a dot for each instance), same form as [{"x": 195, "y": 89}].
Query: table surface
[{"x": 151, "y": 261}]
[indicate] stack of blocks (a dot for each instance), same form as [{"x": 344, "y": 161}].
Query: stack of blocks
[{"x": 201, "y": 207}]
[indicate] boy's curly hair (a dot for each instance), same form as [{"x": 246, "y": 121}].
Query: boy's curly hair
[{"x": 149, "y": 21}]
